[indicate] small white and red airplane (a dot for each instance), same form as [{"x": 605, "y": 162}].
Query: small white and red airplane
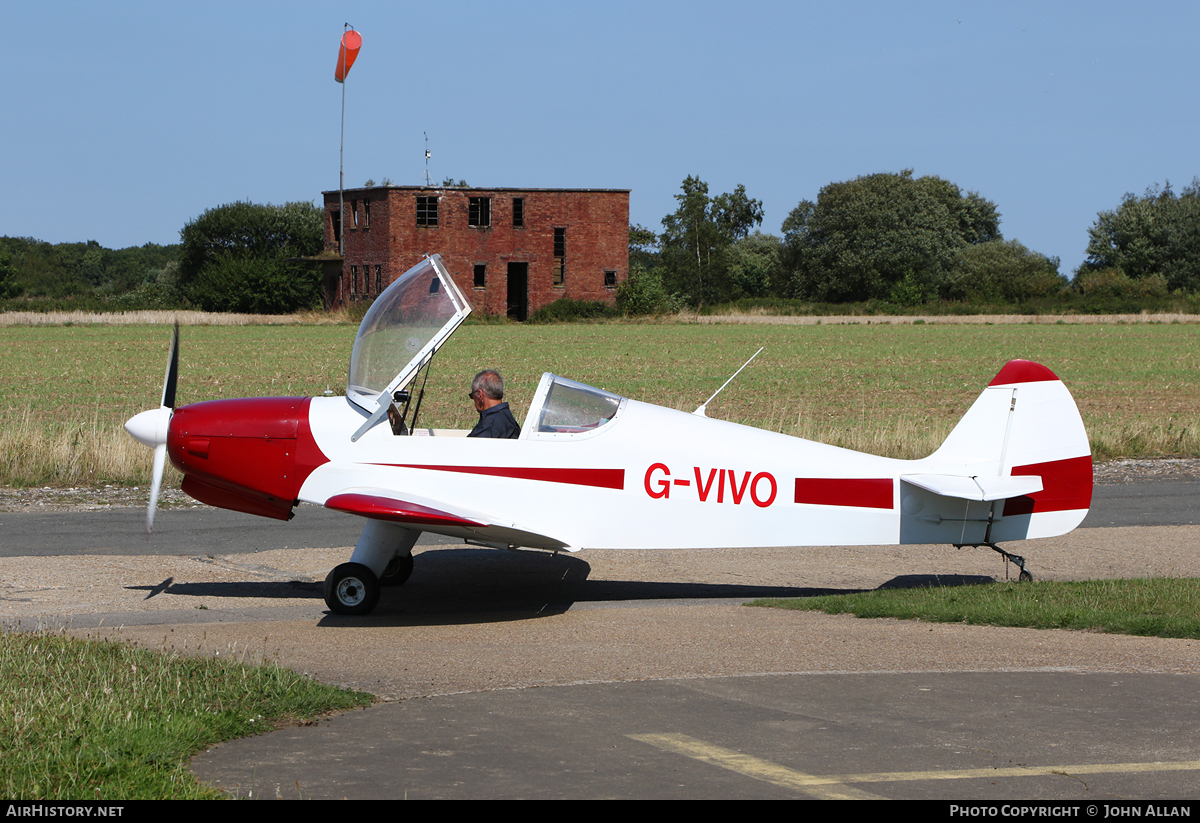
[{"x": 594, "y": 470}]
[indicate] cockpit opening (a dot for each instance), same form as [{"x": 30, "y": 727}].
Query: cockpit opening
[{"x": 398, "y": 338}]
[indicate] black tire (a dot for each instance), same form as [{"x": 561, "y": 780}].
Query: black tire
[
  {"x": 1025, "y": 577},
  {"x": 398, "y": 571},
  {"x": 351, "y": 588}
]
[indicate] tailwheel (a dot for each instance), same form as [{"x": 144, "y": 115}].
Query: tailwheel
[
  {"x": 1017, "y": 560},
  {"x": 398, "y": 571},
  {"x": 351, "y": 588}
]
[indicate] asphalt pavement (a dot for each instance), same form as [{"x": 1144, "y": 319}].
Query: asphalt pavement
[
  {"x": 217, "y": 531},
  {"x": 640, "y": 675}
]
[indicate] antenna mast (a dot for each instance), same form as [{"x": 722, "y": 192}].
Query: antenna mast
[{"x": 427, "y": 184}]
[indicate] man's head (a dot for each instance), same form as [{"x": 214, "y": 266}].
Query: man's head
[{"x": 487, "y": 389}]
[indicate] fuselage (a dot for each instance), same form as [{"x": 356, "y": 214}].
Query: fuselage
[{"x": 650, "y": 478}]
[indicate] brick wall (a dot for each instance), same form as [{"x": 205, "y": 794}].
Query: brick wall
[{"x": 595, "y": 243}]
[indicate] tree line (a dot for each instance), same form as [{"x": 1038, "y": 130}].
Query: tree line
[
  {"x": 239, "y": 257},
  {"x": 903, "y": 240},
  {"x": 890, "y": 238},
  {"x": 34, "y": 268}
]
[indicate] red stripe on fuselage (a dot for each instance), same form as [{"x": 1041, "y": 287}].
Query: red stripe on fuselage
[
  {"x": 600, "y": 478},
  {"x": 860, "y": 492},
  {"x": 1066, "y": 485}
]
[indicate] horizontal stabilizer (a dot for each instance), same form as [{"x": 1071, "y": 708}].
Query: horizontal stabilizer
[{"x": 976, "y": 488}]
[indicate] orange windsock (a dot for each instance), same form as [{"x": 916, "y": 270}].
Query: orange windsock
[{"x": 347, "y": 54}]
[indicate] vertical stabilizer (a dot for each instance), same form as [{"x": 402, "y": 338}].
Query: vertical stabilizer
[{"x": 1024, "y": 424}]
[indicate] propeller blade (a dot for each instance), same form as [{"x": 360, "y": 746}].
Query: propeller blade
[
  {"x": 172, "y": 378},
  {"x": 165, "y": 410},
  {"x": 160, "y": 459}
]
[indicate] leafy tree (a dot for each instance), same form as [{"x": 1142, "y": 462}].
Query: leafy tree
[
  {"x": 8, "y": 282},
  {"x": 235, "y": 258},
  {"x": 643, "y": 247},
  {"x": 1114, "y": 283},
  {"x": 883, "y": 236},
  {"x": 755, "y": 266},
  {"x": 697, "y": 235},
  {"x": 642, "y": 292},
  {"x": 1002, "y": 270},
  {"x": 1156, "y": 234}
]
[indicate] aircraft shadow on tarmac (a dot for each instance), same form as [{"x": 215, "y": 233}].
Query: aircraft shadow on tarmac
[{"x": 483, "y": 585}]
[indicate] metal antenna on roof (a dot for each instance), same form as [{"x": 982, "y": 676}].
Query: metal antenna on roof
[{"x": 427, "y": 184}]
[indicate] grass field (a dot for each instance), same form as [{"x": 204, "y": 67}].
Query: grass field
[
  {"x": 101, "y": 720},
  {"x": 890, "y": 389},
  {"x": 1159, "y": 607}
]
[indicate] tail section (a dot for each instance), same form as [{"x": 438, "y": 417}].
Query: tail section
[{"x": 1025, "y": 453}]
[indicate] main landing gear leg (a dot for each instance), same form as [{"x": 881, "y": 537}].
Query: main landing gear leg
[{"x": 382, "y": 557}]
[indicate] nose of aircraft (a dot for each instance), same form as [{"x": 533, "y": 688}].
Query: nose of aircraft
[{"x": 150, "y": 427}]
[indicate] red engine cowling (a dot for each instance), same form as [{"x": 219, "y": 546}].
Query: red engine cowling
[{"x": 250, "y": 455}]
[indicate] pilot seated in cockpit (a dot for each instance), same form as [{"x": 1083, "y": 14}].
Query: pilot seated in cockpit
[{"x": 495, "y": 420}]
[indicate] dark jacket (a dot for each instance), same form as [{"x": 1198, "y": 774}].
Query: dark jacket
[{"x": 497, "y": 422}]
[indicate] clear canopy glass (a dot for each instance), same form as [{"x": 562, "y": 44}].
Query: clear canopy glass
[
  {"x": 564, "y": 408},
  {"x": 405, "y": 325}
]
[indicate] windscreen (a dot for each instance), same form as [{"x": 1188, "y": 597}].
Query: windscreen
[
  {"x": 572, "y": 407},
  {"x": 404, "y": 326}
]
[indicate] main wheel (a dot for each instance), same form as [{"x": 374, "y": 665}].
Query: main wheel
[
  {"x": 351, "y": 588},
  {"x": 398, "y": 571}
]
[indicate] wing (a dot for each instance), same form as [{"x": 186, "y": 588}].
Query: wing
[{"x": 433, "y": 516}]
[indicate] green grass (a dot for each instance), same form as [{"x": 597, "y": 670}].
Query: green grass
[
  {"x": 895, "y": 390},
  {"x": 100, "y": 720},
  {"x": 1159, "y": 607}
]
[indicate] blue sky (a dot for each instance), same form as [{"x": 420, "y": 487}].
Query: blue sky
[{"x": 124, "y": 120}]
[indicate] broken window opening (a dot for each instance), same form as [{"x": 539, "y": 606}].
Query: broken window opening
[
  {"x": 560, "y": 256},
  {"x": 335, "y": 222},
  {"x": 427, "y": 211},
  {"x": 479, "y": 211}
]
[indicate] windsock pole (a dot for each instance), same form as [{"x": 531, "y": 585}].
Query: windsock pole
[{"x": 347, "y": 53}]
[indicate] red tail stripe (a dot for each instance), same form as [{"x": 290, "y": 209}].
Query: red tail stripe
[{"x": 1066, "y": 486}]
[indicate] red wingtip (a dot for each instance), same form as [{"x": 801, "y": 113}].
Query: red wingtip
[{"x": 1022, "y": 371}]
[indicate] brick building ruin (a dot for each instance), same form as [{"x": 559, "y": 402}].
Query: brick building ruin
[{"x": 511, "y": 251}]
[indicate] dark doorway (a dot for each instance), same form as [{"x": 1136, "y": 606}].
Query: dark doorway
[{"x": 518, "y": 291}]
